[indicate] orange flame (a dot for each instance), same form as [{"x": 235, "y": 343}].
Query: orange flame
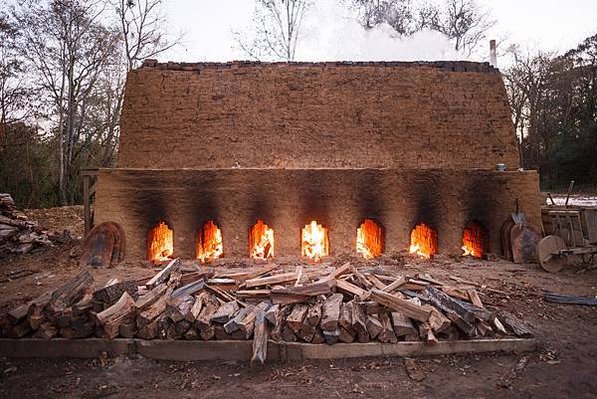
[
  {"x": 369, "y": 239},
  {"x": 423, "y": 241},
  {"x": 472, "y": 240},
  {"x": 160, "y": 242},
  {"x": 209, "y": 243},
  {"x": 315, "y": 243},
  {"x": 261, "y": 241}
]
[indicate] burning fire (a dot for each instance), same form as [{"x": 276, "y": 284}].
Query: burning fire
[
  {"x": 369, "y": 239},
  {"x": 423, "y": 241},
  {"x": 261, "y": 241},
  {"x": 315, "y": 243},
  {"x": 472, "y": 240},
  {"x": 160, "y": 243},
  {"x": 209, "y": 243}
]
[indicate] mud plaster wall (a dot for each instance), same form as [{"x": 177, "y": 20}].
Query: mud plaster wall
[
  {"x": 288, "y": 199},
  {"x": 324, "y": 115}
]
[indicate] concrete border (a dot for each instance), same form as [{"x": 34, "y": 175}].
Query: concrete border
[{"x": 180, "y": 350}]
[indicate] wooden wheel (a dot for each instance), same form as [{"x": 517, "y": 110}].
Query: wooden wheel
[{"x": 548, "y": 253}]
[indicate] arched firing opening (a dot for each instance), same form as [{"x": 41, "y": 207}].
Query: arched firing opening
[
  {"x": 315, "y": 243},
  {"x": 160, "y": 242},
  {"x": 369, "y": 239},
  {"x": 423, "y": 241},
  {"x": 474, "y": 240},
  {"x": 261, "y": 241},
  {"x": 210, "y": 245}
]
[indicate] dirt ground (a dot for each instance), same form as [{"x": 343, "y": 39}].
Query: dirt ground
[{"x": 565, "y": 364}]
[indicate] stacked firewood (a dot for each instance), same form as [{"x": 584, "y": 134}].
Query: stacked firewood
[
  {"x": 314, "y": 305},
  {"x": 17, "y": 233}
]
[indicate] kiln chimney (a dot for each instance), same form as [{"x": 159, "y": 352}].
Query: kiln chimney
[{"x": 492, "y": 54}]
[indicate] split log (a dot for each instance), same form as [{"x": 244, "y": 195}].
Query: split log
[
  {"x": 275, "y": 279},
  {"x": 474, "y": 297},
  {"x": 310, "y": 323},
  {"x": 151, "y": 297},
  {"x": 46, "y": 331},
  {"x": 71, "y": 292},
  {"x": 203, "y": 321},
  {"x": 200, "y": 301},
  {"x": 152, "y": 312},
  {"x": 359, "y": 322},
  {"x": 294, "y": 321},
  {"x": 349, "y": 288},
  {"x": 179, "y": 309},
  {"x": 447, "y": 303},
  {"x": 272, "y": 315},
  {"x": 18, "y": 314},
  {"x": 427, "y": 334},
  {"x": 260, "y": 338},
  {"x": 515, "y": 325},
  {"x": 188, "y": 289},
  {"x": 109, "y": 294},
  {"x": 111, "y": 318},
  {"x": 362, "y": 279},
  {"x": 386, "y": 335},
  {"x": 402, "y": 325},
  {"x": 247, "y": 324},
  {"x": 225, "y": 312},
  {"x": 437, "y": 321},
  {"x": 346, "y": 336},
  {"x": 400, "y": 281},
  {"x": 374, "y": 326},
  {"x": 484, "y": 328},
  {"x": 376, "y": 282},
  {"x": 395, "y": 303},
  {"x": 234, "y": 323},
  {"x": 331, "y": 312},
  {"x": 301, "y": 293},
  {"x": 164, "y": 274}
]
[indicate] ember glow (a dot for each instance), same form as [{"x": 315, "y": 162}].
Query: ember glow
[
  {"x": 209, "y": 243},
  {"x": 261, "y": 241},
  {"x": 369, "y": 239},
  {"x": 423, "y": 241},
  {"x": 472, "y": 240},
  {"x": 160, "y": 243},
  {"x": 314, "y": 241}
]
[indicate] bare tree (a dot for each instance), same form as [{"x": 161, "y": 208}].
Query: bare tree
[
  {"x": 67, "y": 47},
  {"x": 463, "y": 21},
  {"x": 13, "y": 86},
  {"x": 276, "y": 29},
  {"x": 399, "y": 14},
  {"x": 142, "y": 26}
]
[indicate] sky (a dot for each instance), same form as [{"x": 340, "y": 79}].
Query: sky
[{"x": 331, "y": 33}]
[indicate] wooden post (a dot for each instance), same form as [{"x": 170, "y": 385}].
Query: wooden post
[{"x": 88, "y": 195}]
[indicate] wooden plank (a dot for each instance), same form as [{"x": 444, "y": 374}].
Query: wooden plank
[{"x": 242, "y": 350}]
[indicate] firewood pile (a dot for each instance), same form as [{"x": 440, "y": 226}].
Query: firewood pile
[
  {"x": 313, "y": 304},
  {"x": 17, "y": 233}
]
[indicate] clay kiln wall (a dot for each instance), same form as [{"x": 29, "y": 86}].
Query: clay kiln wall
[
  {"x": 325, "y": 115},
  {"x": 288, "y": 199}
]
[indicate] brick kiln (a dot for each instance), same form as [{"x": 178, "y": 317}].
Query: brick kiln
[{"x": 308, "y": 159}]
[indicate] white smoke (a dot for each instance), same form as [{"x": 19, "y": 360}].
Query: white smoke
[{"x": 331, "y": 32}]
